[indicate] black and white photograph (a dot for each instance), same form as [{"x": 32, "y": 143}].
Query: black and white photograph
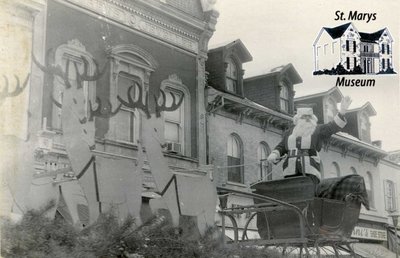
[{"x": 199, "y": 128}]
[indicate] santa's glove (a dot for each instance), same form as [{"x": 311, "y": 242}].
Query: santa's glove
[{"x": 274, "y": 156}]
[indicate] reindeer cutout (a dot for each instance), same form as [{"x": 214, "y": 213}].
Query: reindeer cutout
[
  {"x": 179, "y": 192},
  {"x": 18, "y": 89},
  {"x": 116, "y": 183},
  {"x": 16, "y": 170},
  {"x": 17, "y": 161},
  {"x": 101, "y": 178}
]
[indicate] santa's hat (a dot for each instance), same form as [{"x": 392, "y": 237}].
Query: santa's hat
[{"x": 304, "y": 109}]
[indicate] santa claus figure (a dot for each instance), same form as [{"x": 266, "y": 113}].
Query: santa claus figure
[{"x": 302, "y": 143}]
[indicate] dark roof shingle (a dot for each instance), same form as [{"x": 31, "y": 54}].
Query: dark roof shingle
[
  {"x": 371, "y": 37},
  {"x": 338, "y": 31}
]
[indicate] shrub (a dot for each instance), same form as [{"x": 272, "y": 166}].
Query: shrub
[
  {"x": 37, "y": 236},
  {"x": 389, "y": 70}
]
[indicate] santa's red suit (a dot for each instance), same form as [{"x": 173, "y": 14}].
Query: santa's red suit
[{"x": 302, "y": 152}]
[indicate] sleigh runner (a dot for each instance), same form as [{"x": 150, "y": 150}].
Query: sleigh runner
[{"x": 290, "y": 216}]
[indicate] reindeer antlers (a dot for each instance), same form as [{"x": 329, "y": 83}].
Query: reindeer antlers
[
  {"x": 143, "y": 104},
  {"x": 140, "y": 103},
  {"x": 18, "y": 89},
  {"x": 100, "y": 111},
  {"x": 175, "y": 105},
  {"x": 84, "y": 76},
  {"x": 52, "y": 69}
]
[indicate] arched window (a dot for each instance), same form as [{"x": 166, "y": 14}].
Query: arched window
[
  {"x": 231, "y": 76},
  {"x": 369, "y": 185},
  {"x": 131, "y": 66},
  {"x": 284, "y": 98},
  {"x": 390, "y": 195},
  {"x": 353, "y": 171},
  {"x": 127, "y": 119},
  {"x": 177, "y": 122},
  {"x": 335, "y": 172},
  {"x": 72, "y": 52},
  {"x": 321, "y": 165},
  {"x": 174, "y": 120},
  {"x": 235, "y": 159},
  {"x": 331, "y": 109},
  {"x": 263, "y": 151}
]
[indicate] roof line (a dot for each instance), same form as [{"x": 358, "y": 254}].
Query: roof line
[
  {"x": 319, "y": 94},
  {"x": 363, "y": 107}
]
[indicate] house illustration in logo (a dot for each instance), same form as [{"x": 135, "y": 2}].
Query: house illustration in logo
[{"x": 345, "y": 50}]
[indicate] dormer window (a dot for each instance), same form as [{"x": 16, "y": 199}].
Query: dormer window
[
  {"x": 284, "y": 98},
  {"x": 331, "y": 109},
  {"x": 231, "y": 76},
  {"x": 364, "y": 128}
]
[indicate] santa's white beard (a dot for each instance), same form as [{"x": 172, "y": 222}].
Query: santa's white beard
[{"x": 304, "y": 128}]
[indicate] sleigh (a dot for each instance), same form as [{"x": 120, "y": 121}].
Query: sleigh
[{"x": 289, "y": 216}]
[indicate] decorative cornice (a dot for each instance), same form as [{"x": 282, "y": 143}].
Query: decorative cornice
[
  {"x": 208, "y": 5},
  {"x": 175, "y": 78},
  {"x": 245, "y": 108},
  {"x": 21, "y": 11},
  {"x": 349, "y": 145},
  {"x": 136, "y": 51},
  {"x": 150, "y": 17},
  {"x": 32, "y": 6},
  {"x": 138, "y": 19}
]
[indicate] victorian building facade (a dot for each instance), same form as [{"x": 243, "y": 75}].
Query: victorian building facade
[
  {"x": 154, "y": 45},
  {"x": 245, "y": 122}
]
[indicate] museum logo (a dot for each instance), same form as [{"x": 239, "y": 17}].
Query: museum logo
[{"x": 343, "y": 50}]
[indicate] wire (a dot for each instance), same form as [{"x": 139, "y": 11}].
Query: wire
[{"x": 242, "y": 165}]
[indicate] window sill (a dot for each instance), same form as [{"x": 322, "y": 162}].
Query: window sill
[
  {"x": 133, "y": 146},
  {"x": 124, "y": 144},
  {"x": 371, "y": 209},
  {"x": 179, "y": 156},
  {"x": 236, "y": 184}
]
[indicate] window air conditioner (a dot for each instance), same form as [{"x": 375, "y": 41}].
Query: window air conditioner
[{"x": 173, "y": 147}]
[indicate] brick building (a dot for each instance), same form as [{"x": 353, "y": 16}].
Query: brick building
[{"x": 246, "y": 121}]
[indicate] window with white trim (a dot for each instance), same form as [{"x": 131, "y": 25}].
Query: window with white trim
[
  {"x": 331, "y": 109},
  {"x": 263, "y": 151},
  {"x": 174, "y": 120},
  {"x": 335, "y": 172},
  {"x": 390, "y": 195},
  {"x": 131, "y": 66},
  {"x": 127, "y": 120},
  {"x": 235, "y": 159},
  {"x": 177, "y": 127},
  {"x": 364, "y": 127},
  {"x": 73, "y": 51},
  {"x": 284, "y": 98},
  {"x": 231, "y": 76},
  {"x": 369, "y": 185}
]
